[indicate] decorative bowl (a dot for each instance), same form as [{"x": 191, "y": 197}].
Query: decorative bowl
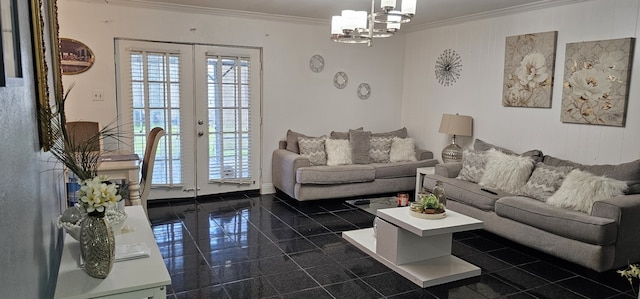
[{"x": 114, "y": 217}]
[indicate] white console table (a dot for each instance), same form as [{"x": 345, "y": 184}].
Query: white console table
[
  {"x": 138, "y": 278},
  {"x": 418, "y": 249}
]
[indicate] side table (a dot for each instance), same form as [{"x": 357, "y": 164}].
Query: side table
[{"x": 420, "y": 173}]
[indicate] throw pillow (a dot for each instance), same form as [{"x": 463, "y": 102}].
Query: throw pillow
[
  {"x": 400, "y": 133},
  {"x": 403, "y": 149},
  {"x": 380, "y": 150},
  {"x": 481, "y": 145},
  {"x": 313, "y": 149},
  {"x": 506, "y": 172},
  {"x": 338, "y": 151},
  {"x": 544, "y": 181},
  {"x": 292, "y": 141},
  {"x": 359, "y": 141},
  {"x": 341, "y": 135},
  {"x": 473, "y": 163},
  {"x": 580, "y": 189}
]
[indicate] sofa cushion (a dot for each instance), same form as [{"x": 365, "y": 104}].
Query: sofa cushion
[
  {"x": 342, "y": 135},
  {"x": 481, "y": 145},
  {"x": 506, "y": 172},
  {"x": 313, "y": 149},
  {"x": 380, "y": 148},
  {"x": 400, "y": 133},
  {"x": 359, "y": 146},
  {"x": 628, "y": 172},
  {"x": 400, "y": 169},
  {"x": 292, "y": 141},
  {"x": 338, "y": 151},
  {"x": 402, "y": 150},
  {"x": 580, "y": 189},
  {"x": 341, "y": 174},
  {"x": 544, "y": 181},
  {"x": 466, "y": 192},
  {"x": 562, "y": 222},
  {"x": 473, "y": 163}
]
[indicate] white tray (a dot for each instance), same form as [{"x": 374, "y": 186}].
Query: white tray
[{"x": 428, "y": 216}]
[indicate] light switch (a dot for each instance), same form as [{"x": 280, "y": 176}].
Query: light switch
[{"x": 98, "y": 95}]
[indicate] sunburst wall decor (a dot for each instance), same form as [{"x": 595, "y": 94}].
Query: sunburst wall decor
[{"x": 448, "y": 67}]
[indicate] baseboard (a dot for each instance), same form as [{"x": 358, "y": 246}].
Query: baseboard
[{"x": 267, "y": 188}]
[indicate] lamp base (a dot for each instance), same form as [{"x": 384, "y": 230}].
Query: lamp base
[{"x": 452, "y": 153}]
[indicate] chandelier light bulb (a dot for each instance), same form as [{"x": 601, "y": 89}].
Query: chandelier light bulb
[
  {"x": 409, "y": 7},
  {"x": 336, "y": 25},
  {"x": 388, "y": 4}
]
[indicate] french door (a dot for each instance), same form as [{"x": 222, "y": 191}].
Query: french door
[{"x": 207, "y": 98}]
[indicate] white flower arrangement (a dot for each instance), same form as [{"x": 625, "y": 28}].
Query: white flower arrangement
[
  {"x": 96, "y": 194},
  {"x": 633, "y": 271}
]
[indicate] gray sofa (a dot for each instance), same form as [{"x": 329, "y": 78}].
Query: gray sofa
[
  {"x": 606, "y": 238},
  {"x": 294, "y": 175}
]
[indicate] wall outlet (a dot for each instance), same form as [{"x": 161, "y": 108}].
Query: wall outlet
[{"x": 98, "y": 95}]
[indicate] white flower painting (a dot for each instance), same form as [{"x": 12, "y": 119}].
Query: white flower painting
[
  {"x": 596, "y": 82},
  {"x": 528, "y": 70}
]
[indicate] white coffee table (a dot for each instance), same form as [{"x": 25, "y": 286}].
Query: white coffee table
[{"x": 418, "y": 249}]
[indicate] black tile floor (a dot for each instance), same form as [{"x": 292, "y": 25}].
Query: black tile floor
[{"x": 270, "y": 246}]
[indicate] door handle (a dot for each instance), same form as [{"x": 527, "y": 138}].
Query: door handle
[
  {"x": 200, "y": 122},
  {"x": 200, "y": 133}
]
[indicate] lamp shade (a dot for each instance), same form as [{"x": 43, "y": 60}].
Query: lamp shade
[
  {"x": 461, "y": 125},
  {"x": 409, "y": 7}
]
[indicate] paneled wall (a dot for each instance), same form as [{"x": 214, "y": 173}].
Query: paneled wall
[{"x": 478, "y": 92}]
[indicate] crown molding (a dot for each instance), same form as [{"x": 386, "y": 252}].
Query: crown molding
[
  {"x": 493, "y": 14},
  {"x": 208, "y": 11}
]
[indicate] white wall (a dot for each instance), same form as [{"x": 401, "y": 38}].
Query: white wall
[
  {"x": 479, "y": 90},
  {"x": 293, "y": 96}
]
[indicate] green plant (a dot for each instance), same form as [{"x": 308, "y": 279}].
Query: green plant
[{"x": 430, "y": 201}]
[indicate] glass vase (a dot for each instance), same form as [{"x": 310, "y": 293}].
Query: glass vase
[
  {"x": 438, "y": 191},
  {"x": 97, "y": 245}
]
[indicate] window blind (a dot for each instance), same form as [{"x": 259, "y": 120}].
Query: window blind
[
  {"x": 155, "y": 102},
  {"x": 228, "y": 95}
]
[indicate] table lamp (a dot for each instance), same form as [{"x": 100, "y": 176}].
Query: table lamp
[{"x": 460, "y": 125}]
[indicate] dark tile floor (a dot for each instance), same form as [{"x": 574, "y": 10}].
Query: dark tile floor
[{"x": 269, "y": 246}]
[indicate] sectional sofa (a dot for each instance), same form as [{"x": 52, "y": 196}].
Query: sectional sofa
[
  {"x": 371, "y": 170},
  {"x": 554, "y": 207}
]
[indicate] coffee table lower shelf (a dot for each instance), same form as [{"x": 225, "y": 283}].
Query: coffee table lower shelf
[{"x": 425, "y": 273}]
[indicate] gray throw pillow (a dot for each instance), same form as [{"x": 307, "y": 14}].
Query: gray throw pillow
[
  {"x": 400, "y": 133},
  {"x": 341, "y": 135},
  {"x": 359, "y": 141},
  {"x": 473, "y": 163},
  {"x": 380, "y": 149},
  {"x": 292, "y": 141},
  {"x": 544, "y": 181},
  {"x": 313, "y": 149}
]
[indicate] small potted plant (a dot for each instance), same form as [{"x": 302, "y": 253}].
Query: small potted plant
[
  {"x": 428, "y": 204},
  {"x": 633, "y": 271}
]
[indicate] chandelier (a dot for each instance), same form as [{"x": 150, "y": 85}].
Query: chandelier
[{"x": 359, "y": 27}]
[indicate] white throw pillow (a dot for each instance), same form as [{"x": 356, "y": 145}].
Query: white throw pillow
[
  {"x": 403, "y": 149},
  {"x": 580, "y": 189},
  {"x": 506, "y": 172},
  {"x": 338, "y": 151}
]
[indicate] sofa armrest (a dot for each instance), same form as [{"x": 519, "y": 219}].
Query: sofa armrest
[
  {"x": 423, "y": 154},
  {"x": 449, "y": 169},
  {"x": 284, "y": 165},
  {"x": 625, "y": 210}
]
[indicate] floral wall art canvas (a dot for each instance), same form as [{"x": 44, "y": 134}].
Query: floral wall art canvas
[
  {"x": 529, "y": 60},
  {"x": 596, "y": 82}
]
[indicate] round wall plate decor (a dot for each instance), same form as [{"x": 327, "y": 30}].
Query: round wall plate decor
[
  {"x": 340, "y": 80},
  {"x": 364, "y": 91},
  {"x": 316, "y": 63},
  {"x": 76, "y": 56},
  {"x": 448, "y": 67}
]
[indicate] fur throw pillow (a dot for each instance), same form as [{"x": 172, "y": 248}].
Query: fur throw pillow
[
  {"x": 506, "y": 172},
  {"x": 403, "y": 149},
  {"x": 338, "y": 151},
  {"x": 580, "y": 189}
]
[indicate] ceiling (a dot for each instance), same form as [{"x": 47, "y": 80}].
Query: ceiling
[{"x": 429, "y": 12}]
